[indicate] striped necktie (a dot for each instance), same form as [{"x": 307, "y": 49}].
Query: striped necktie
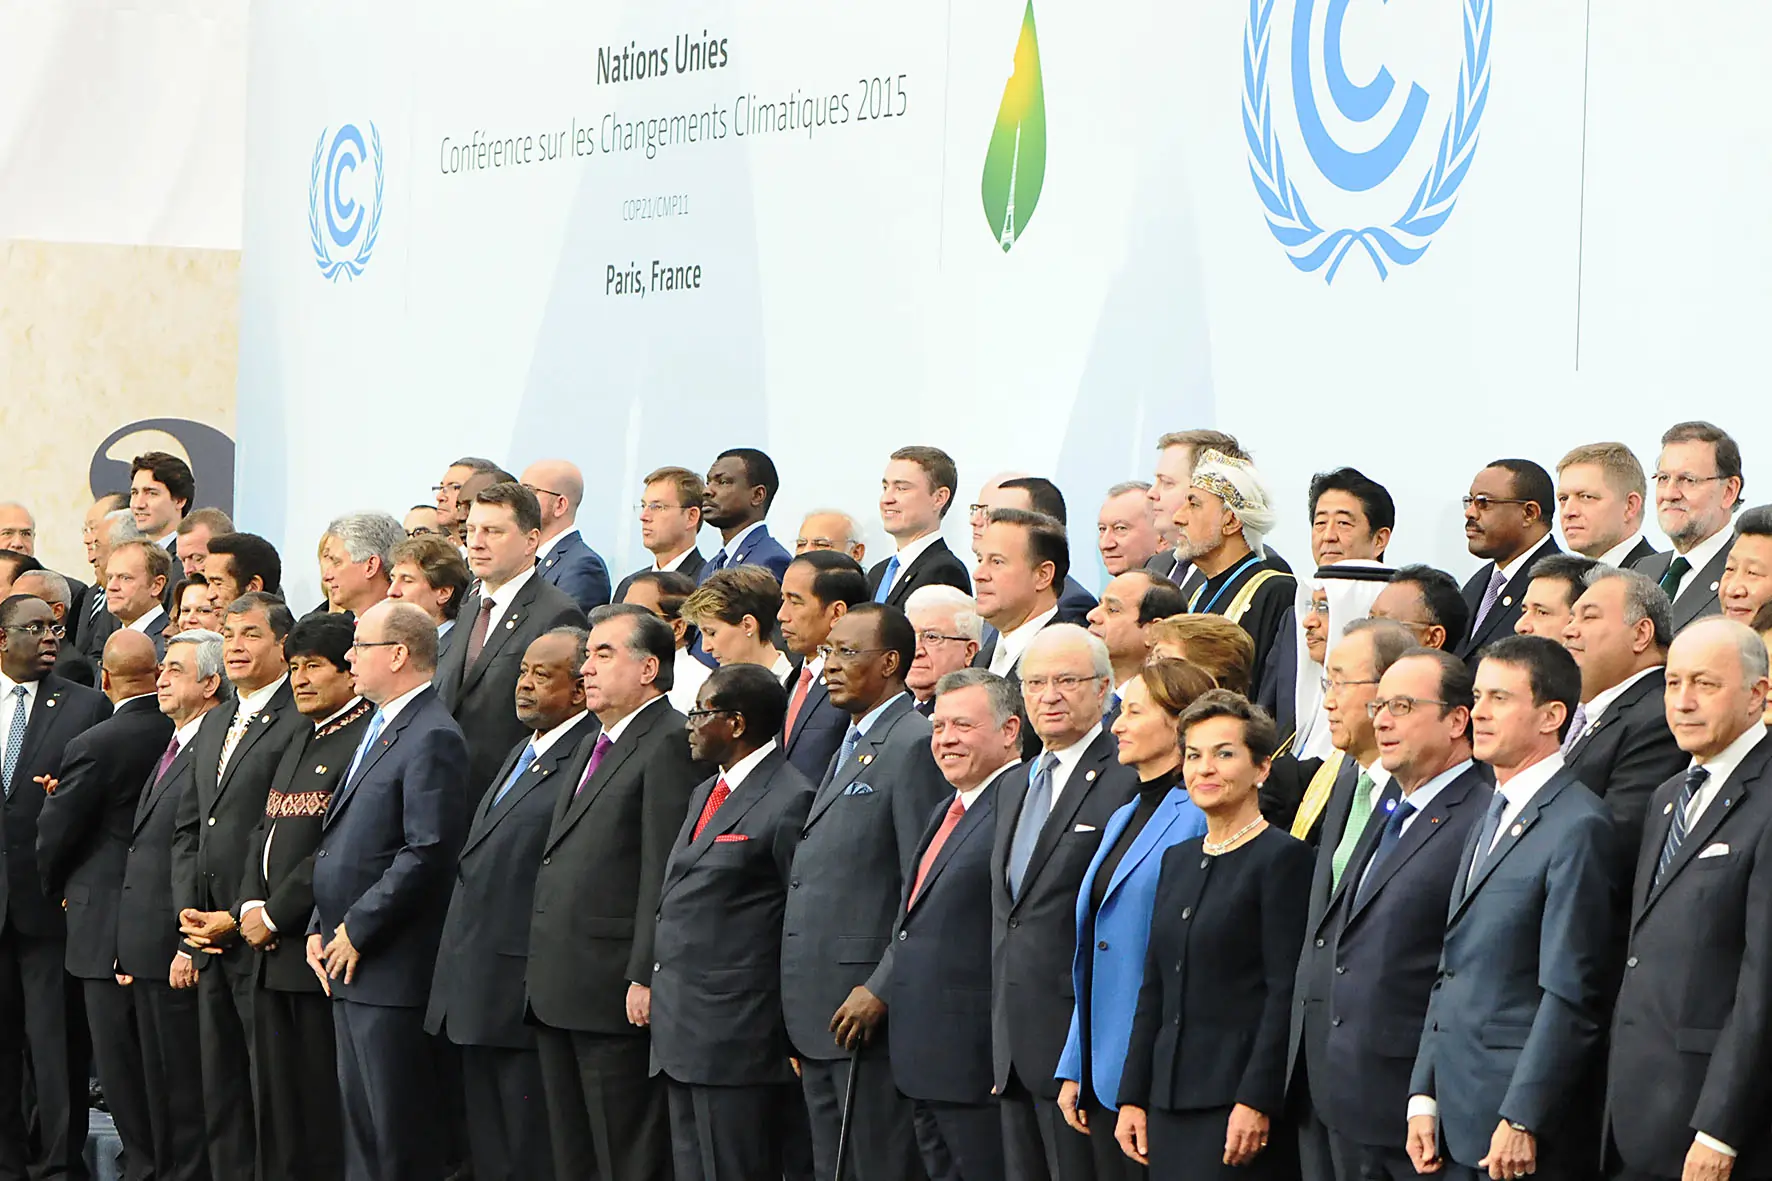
[{"x": 1676, "y": 831}]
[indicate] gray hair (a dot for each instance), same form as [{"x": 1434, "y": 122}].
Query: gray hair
[
  {"x": 1391, "y": 641},
  {"x": 1755, "y": 661},
  {"x": 1125, "y": 486},
  {"x": 123, "y": 527},
  {"x": 209, "y": 652},
  {"x": 941, "y": 597},
  {"x": 852, "y": 527},
  {"x": 1003, "y": 694},
  {"x": 55, "y": 587},
  {"x": 1061, "y": 634},
  {"x": 1643, "y": 599},
  {"x": 581, "y": 640},
  {"x": 367, "y": 535}
]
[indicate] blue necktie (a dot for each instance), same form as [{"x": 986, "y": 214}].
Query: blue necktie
[
  {"x": 1387, "y": 841},
  {"x": 886, "y": 582},
  {"x": 1486, "y": 836},
  {"x": 1036, "y": 806},
  {"x": 524, "y": 761},
  {"x": 851, "y": 739},
  {"x": 369, "y": 737},
  {"x": 1676, "y": 833},
  {"x": 15, "y": 737},
  {"x": 719, "y": 562}
]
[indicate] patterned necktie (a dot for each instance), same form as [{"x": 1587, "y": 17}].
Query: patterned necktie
[
  {"x": 1497, "y": 581},
  {"x": 15, "y": 737},
  {"x": 524, "y": 761},
  {"x": 1359, "y": 812},
  {"x": 886, "y": 581},
  {"x": 802, "y": 687},
  {"x": 1577, "y": 727},
  {"x": 477, "y": 636},
  {"x": 166, "y": 759},
  {"x": 1387, "y": 841},
  {"x": 1486, "y": 837},
  {"x": 956, "y": 813},
  {"x": 1676, "y": 570},
  {"x": 718, "y": 563},
  {"x": 851, "y": 739},
  {"x": 1676, "y": 832},
  {"x": 369, "y": 736},
  {"x": 716, "y": 797},
  {"x": 236, "y": 731},
  {"x": 1036, "y": 806},
  {"x": 597, "y": 753}
]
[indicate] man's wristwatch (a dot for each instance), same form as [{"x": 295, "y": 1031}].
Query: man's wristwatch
[{"x": 1517, "y": 1126}]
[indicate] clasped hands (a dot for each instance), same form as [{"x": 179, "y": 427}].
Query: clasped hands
[{"x": 330, "y": 959}]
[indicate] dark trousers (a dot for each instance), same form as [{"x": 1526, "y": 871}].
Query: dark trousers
[
  {"x": 1037, "y": 1144},
  {"x": 166, "y": 1018},
  {"x": 959, "y": 1141},
  {"x": 295, "y": 1067},
  {"x": 1369, "y": 1162},
  {"x": 1316, "y": 1155},
  {"x": 386, "y": 1083},
  {"x": 725, "y": 1133},
  {"x": 882, "y": 1135},
  {"x": 224, "y": 1035},
  {"x": 607, "y": 1115},
  {"x": 42, "y": 1023},
  {"x": 1189, "y": 1146},
  {"x": 1111, "y": 1161},
  {"x": 117, "y": 1056},
  {"x": 507, "y": 1114}
]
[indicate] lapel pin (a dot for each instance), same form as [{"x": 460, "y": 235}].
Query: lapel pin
[
  {"x": 509, "y": 624},
  {"x": 50, "y": 704},
  {"x": 1507, "y": 600},
  {"x": 1715, "y": 585},
  {"x": 1669, "y": 810},
  {"x": 866, "y": 759},
  {"x": 1433, "y": 819},
  {"x": 320, "y": 770},
  {"x": 1517, "y": 830},
  {"x": 1089, "y": 778},
  {"x": 264, "y": 717}
]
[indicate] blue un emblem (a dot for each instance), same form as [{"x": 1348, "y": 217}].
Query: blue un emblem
[
  {"x": 1365, "y": 165},
  {"x": 344, "y": 201}
]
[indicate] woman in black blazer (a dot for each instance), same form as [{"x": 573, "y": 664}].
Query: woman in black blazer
[{"x": 1205, "y": 1073}]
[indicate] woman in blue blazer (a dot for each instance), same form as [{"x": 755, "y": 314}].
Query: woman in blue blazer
[{"x": 1114, "y": 905}]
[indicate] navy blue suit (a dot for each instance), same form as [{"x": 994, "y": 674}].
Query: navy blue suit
[
  {"x": 757, "y": 549},
  {"x": 817, "y": 732},
  {"x": 575, "y": 568},
  {"x": 384, "y": 868}
]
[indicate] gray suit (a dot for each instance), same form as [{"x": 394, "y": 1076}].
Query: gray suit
[
  {"x": 848, "y": 876},
  {"x": 1698, "y": 597},
  {"x": 1516, "y": 1027}
]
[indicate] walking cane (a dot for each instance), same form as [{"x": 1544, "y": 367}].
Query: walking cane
[{"x": 848, "y": 1111}]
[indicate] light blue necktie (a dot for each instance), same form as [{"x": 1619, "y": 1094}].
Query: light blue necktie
[
  {"x": 1036, "y": 806},
  {"x": 369, "y": 737},
  {"x": 851, "y": 740},
  {"x": 1676, "y": 833},
  {"x": 524, "y": 761},
  {"x": 886, "y": 582},
  {"x": 15, "y": 735}
]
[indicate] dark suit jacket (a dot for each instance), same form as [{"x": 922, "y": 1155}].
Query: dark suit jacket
[
  {"x": 70, "y": 665},
  {"x": 60, "y": 712},
  {"x": 1164, "y": 565},
  {"x": 716, "y": 988},
  {"x": 818, "y": 731},
  {"x": 692, "y": 564},
  {"x": 94, "y": 630},
  {"x": 1518, "y": 1015},
  {"x": 83, "y": 832},
  {"x": 387, "y": 850},
  {"x": 79, "y": 607},
  {"x": 1034, "y": 937},
  {"x": 854, "y": 855},
  {"x": 1506, "y": 612},
  {"x": 596, "y": 893},
  {"x": 1694, "y": 1017},
  {"x": 1699, "y": 596},
  {"x": 935, "y": 566},
  {"x": 576, "y": 568},
  {"x": 215, "y": 822},
  {"x": 1212, "y": 1013},
  {"x": 147, "y": 922},
  {"x": 483, "y": 699},
  {"x": 1379, "y": 963},
  {"x": 1074, "y": 603},
  {"x": 477, "y": 990},
  {"x": 941, "y": 1004},
  {"x": 294, "y": 809},
  {"x": 757, "y": 549},
  {"x": 1626, "y": 754},
  {"x": 1639, "y": 553}
]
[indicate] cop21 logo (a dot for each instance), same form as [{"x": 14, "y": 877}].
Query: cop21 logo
[
  {"x": 1401, "y": 232},
  {"x": 341, "y": 228}
]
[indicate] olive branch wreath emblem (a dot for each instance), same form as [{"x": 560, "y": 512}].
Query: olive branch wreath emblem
[{"x": 351, "y": 266}]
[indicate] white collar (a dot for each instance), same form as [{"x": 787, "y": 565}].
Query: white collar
[
  {"x": 7, "y": 685},
  {"x": 147, "y": 620},
  {"x": 816, "y": 664},
  {"x": 128, "y": 700},
  {"x": 1701, "y": 554},
  {"x": 188, "y": 731},
  {"x": 736, "y": 774},
  {"x": 251, "y": 703},
  {"x": 1596, "y": 708},
  {"x": 327, "y": 721},
  {"x": 1618, "y": 553},
  {"x": 910, "y": 551},
  {"x": 545, "y": 742},
  {"x": 1011, "y": 644},
  {"x": 1424, "y": 795},
  {"x": 171, "y": 539},
  {"x": 615, "y": 731},
  {"x": 1522, "y": 787},
  {"x": 675, "y": 563},
  {"x": 1524, "y": 561},
  {"x": 1724, "y": 764},
  {"x": 737, "y": 543},
  {"x": 392, "y": 709},
  {"x": 782, "y": 666},
  {"x": 969, "y": 796},
  {"x": 547, "y": 547},
  {"x": 501, "y": 598},
  {"x": 1073, "y": 754}
]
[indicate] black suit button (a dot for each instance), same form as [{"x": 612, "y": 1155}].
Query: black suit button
[
  {"x": 1319, "y": 943},
  {"x": 1631, "y": 963},
  {"x": 1340, "y": 970},
  {"x": 657, "y": 967},
  {"x": 320, "y": 852},
  {"x": 132, "y": 848},
  {"x": 794, "y": 885},
  {"x": 1335, "y": 1021},
  {"x": 903, "y": 935},
  {"x": 547, "y": 861},
  {"x": 1187, "y": 912},
  {"x": 1178, "y": 1021},
  {"x": 1015, "y": 922},
  {"x": 1449, "y": 975},
  {"x": 1102, "y": 946}
]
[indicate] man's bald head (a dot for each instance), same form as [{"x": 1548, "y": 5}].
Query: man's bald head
[{"x": 130, "y": 665}]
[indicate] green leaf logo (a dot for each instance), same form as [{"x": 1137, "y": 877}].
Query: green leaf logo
[{"x": 1015, "y": 164}]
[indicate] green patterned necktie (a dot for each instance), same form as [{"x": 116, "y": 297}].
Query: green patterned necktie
[
  {"x": 1676, "y": 570},
  {"x": 1359, "y": 812}
]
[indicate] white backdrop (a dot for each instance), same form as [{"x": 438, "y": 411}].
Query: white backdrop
[{"x": 1601, "y": 273}]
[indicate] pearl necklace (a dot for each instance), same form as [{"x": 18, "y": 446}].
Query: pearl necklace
[{"x": 1230, "y": 842}]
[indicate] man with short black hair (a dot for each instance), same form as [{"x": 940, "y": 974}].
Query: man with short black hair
[
  {"x": 1549, "y": 602},
  {"x": 194, "y": 534},
  {"x": 1698, "y": 488},
  {"x": 916, "y": 493},
  {"x": 241, "y": 562},
  {"x": 161, "y": 491},
  {"x": 1023, "y": 559},
  {"x": 741, "y": 486},
  {"x": 1507, "y": 519},
  {"x": 819, "y": 586},
  {"x": 452, "y": 506},
  {"x": 1427, "y": 602},
  {"x": 1036, "y": 494},
  {"x": 1129, "y": 605},
  {"x": 564, "y": 558}
]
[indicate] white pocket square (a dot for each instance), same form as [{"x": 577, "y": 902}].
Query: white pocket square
[
  {"x": 1716, "y": 850},
  {"x": 1084, "y": 828}
]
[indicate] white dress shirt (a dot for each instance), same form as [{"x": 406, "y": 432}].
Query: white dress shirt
[
  {"x": 1721, "y": 768},
  {"x": 910, "y": 551},
  {"x": 686, "y": 681},
  {"x": 547, "y": 547},
  {"x": 782, "y": 667},
  {"x": 147, "y": 620},
  {"x": 1011, "y": 644},
  {"x": 1524, "y": 561},
  {"x": 1618, "y": 553},
  {"x": 1700, "y": 556},
  {"x": 391, "y": 710},
  {"x": 618, "y": 729},
  {"x": 502, "y": 597},
  {"x": 740, "y": 771},
  {"x": 546, "y": 741},
  {"x": 10, "y": 704},
  {"x": 1419, "y": 799},
  {"x": 675, "y": 563},
  {"x": 731, "y": 547},
  {"x": 1602, "y": 701},
  {"x": 1518, "y": 792},
  {"x": 1068, "y": 758}
]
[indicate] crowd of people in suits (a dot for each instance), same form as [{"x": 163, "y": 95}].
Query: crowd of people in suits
[{"x": 778, "y": 864}]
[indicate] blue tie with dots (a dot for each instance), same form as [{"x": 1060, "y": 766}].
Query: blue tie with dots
[{"x": 15, "y": 735}]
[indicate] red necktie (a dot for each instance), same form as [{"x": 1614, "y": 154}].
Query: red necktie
[
  {"x": 956, "y": 812},
  {"x": 715, "y": 799},
  {"x": 801, "y": 688}
]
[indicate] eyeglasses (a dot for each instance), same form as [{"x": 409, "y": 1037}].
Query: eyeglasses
[
  {"x": 1484, "y": 503},
  {"x": 1066, "y": 684},
  {"x": 829, "y": 653},
  {"x": 424, "y": 531},
  {"x": 979, "y": 510},
  {"x": 1683, "y": 482},
  {"x": 37, "y": 629},
  {"x": 697, "y": 716},
  {"x": 356, "y": 644},
  {"x": 1317, "y": 608},
  {"x": 1330, "y": 683},
  {"x": 659, "y": 506},
  {"x": 927, "y": 638},
  {"x": 543, "y": 491},
  {"x": 1401, "y": 707},
  {"x": 446, "y": 487}
]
